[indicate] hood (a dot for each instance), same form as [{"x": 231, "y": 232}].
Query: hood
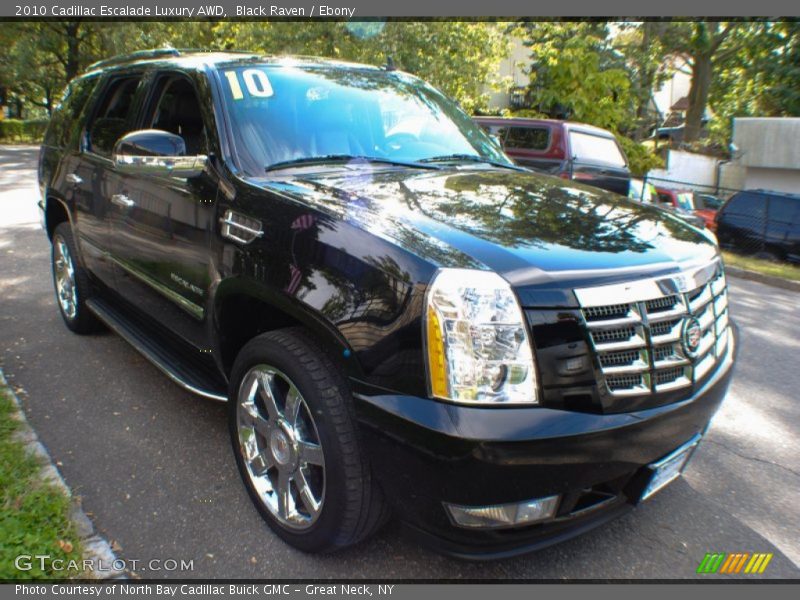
[{"x": 526, "y": 226}]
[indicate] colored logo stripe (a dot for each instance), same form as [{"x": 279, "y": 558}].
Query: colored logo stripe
[
  {"x": 758, "y": 564},
  {"x": 734, "y": 563},
  {"x": 711, "y": 562}
]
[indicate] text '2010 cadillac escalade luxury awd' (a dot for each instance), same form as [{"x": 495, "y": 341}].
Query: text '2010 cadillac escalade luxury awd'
[{"x": 402, "y": 321}]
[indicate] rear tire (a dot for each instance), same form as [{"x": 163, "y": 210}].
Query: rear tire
[
  {"x": 297, "y": 446},
  {"x": 71, "y": 283}
]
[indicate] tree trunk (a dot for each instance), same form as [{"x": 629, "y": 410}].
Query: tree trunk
[
  {"x": 644, "y": 89},
  {"x": 73, "y": 50},
  {"x": 702, "y": 71}
]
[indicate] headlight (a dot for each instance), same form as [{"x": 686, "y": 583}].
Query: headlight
[{"x": 477, "y": 340}]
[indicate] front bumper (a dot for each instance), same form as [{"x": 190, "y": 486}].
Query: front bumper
[{"x": 424, "y": 453}]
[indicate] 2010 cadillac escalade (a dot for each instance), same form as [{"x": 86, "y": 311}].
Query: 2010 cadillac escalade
[{"x": 402, "y": 321}]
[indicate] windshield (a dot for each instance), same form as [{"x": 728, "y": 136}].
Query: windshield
[{"x": 288, "y": 114}]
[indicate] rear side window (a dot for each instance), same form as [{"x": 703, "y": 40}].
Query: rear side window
[
  {"x": 596, "y": 149},
  {"x": 111, "y": 117},
  {"x": 746, "y": 205},
  {"x": 784, "y": 210},
  {"x": 62, "y": 124},
  {"x": 530, "y": 138}
]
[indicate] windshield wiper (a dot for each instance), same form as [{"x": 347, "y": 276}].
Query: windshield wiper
[
  {"x": 339, "y": 158},
  {"x": 471, "y": 158}
]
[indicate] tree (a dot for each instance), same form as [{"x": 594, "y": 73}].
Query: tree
[
  {"x": 575, "y": 72},
  {"x": 470, "y": 55},
  {"x": 641, "y": 45},
  {"x": 763, "y": 78},
  {"x": 708, "y": 46}
]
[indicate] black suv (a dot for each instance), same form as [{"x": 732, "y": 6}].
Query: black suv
[
  {"x": 763, "y": 223},
  {"x": 401, "y": 320}
]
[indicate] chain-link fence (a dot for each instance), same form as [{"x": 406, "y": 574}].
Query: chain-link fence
[{"x": 757, "y": 223}]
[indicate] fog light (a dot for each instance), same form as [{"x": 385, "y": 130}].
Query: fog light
[{"x": 503, "y": 515}]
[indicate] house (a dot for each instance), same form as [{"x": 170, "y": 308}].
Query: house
[
  {"x": 671, "y": 99},
  {"x": 766, "y": 155},
  {"x": 513, "y": 77}
]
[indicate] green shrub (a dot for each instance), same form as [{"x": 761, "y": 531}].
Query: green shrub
[
  {"x": 15, "y": 130},
  {"x": 640, "y": 158}
]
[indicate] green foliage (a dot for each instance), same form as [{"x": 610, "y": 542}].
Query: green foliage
[
  {"x": 43, "y": 56},
  {"x": 575, "y": 71},
  {"x": 467, "y": 56},
  {"x": 34, "y": 515},
  {"x": 761, "y": 79},
  {"x": 14, "y": 130},
  {"x": 640, "y": 158}
]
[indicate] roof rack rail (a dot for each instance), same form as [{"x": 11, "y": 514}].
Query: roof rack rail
[{"x": 121, "y": 58}]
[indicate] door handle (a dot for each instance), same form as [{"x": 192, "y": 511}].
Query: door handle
[
  {"x": 72, "y": 178},
  {"x": 122, "y": 200}
]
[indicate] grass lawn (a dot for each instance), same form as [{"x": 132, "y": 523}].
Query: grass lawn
[
  {"x": 34, "y": 516},
  {"x": 765, "y": 267}
]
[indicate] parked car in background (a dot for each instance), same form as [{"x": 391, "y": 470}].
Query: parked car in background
[
  {"x": 681, "y": 203},
  {"x": 641, "y": 191},
  {"x": 570, "y": 150},
  {"x": 706, "y": 206},
  {"x": 677, "y": 133},
  {"x": 762, "y": 223}
]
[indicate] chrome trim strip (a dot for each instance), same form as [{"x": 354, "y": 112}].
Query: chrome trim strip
[
  {"x": 144, "y": 351},
  {"x": 647, "y": 289},
  {"x": 614, "y": 323},
  {"x": 193, "y": 309}
]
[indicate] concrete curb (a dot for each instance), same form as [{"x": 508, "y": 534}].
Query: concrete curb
[
  {"x": 96, "y": 549},
  {"x": 786, "y": 284}
]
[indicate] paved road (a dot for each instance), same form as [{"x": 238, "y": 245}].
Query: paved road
[{"x": 154, "y": 469}]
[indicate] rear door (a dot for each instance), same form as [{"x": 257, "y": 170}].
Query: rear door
[
  {"x": 162, "y": 235},
  {"x": 742, "y": 222},
  {"x": 93, "y": 175},
  {"x": 782, "y": 235},
  {"x": 598, "y": 160}
]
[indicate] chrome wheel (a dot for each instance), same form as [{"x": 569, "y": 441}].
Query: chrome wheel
[
  {"x": 64, "y": 271},
  {"x": 280, "y": 446}
]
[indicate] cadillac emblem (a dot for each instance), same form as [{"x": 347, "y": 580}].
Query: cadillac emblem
[{"x": 692, "y": 333}]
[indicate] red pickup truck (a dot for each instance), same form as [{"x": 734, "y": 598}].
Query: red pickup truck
[{"x": 570, "y": 150}]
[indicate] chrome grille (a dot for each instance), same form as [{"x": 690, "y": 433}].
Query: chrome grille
[{"x": 637, "y": 329}]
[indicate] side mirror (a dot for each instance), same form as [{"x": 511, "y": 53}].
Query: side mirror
[{"x": 156, "y": 152}]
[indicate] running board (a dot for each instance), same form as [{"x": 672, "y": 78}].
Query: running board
[{"x": 194, "y": 378}]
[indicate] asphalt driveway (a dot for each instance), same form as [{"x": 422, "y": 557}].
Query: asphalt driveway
[{"x": 154, "y": 469}]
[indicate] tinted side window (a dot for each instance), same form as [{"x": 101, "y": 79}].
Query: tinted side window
[
  {"x": 498, "y": 131},
  {"x": 783, "y": 210},
  {"x": 746, "y": 205},
  {"x": 111, "y": 118},
  {"x": 63, "y": 122},
  {"x": 178, "y": 111},
  {"x": 531, "y": 138}
]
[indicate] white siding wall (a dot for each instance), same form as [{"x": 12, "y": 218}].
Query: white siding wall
[
  {"x": 778, "y": 180},
  {"x": 686, "y": 170}
]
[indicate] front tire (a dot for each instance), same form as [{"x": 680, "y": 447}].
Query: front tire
[
  {"x": 71, "y": 283},
  {"x": 296, "y": 443}
]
